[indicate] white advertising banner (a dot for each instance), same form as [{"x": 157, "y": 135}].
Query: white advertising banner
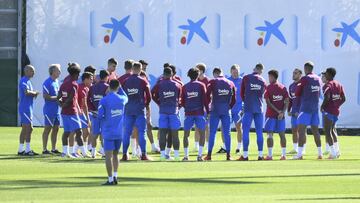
[{"x": 281, "y": 34}]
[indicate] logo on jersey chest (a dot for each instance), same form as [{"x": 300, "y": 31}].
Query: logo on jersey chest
[
  {"x": 223, "y": 92},
  {"x": 168, "y": 94},
  {"x": 116, "y": 112},
  {"x": 315, "y": 88},
  {"x": 192, "y": 94},
  {"x": 277, "y": 97},
  {"x": 255, "y": 86},
  {"x": 97, "y": 97},
  {"x": 335, "y": 97},
  {"x": 64, "y": 94},
  {"x": 132, "y": 91}
]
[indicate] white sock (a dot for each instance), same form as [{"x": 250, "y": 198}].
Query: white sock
[
  {"x": 93, "y": 151},
  {"x": 83, "y": 151},
  {"x": 327, "y": 147},
  {"x": 283, "y": 151},
  {"x": 111, "y": 179},
  {"x": 76, "y": 148},
  {"x": 200, "y": 150},
  {"x": 176, "y": 153},
  {"x": 21, "y": 148},
  {"x": 115, "y": 174},
  {"x": 320, "y": 151},
  {"x": 239, "y": 146},
  {"x": 295, "y": 145},
  {"x": 245, "y": 154},
  {"x": 332, "y": 151},
  {"x": 206, "y": 144},
  {"x": 89, "y": 147},
  {"x": 304, "y": 149},
  {"x": 224, "y": 146},
  {"x": 270, "y": 151},
  {"x": 196, "y": 145},
  {"x": 167, "y": 151},
  {"x": 65, "y": 149},
  {"x": 336, "y": 146},
  {"x": 27, "y": 147},
  {"x": 186, "y": 152},
  {"x": 153, "y": 146},
  {"x": 260, "y": 153},
  {"x": 139, "y": 152},
  {"x": 71, "y": 150},
  {"x": 102, "y": 151},
  {"x": 133, "y": 145},
  {"x": 162, "y": 153},
  {"x": 300, "y": 151}
]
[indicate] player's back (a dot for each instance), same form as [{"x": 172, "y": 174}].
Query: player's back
[
  {"x": 295, "y": 101},
  {"x": 135, "y": 87},
  {"x": 111, "y": 114},
  {"x": 97, "y": 92},
  {"x": 254, "y": 87},
  {"x": 194, "y": 93},
  {"x": 221, "y": 90},
  {"x": 310, "y": 93},
  {"x": 335, "y": 91},
  {"x": 169, "y": 91}
]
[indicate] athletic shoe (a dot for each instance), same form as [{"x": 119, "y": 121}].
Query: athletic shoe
[
  {"x": 55, "y": 151},
  {"x": 207, "y": 158},
  {"x": 108, "y": 183},
  {"x": 145, "y": 158},
  {"x": 296, "y": 157},
  {"x": 320, "y": 157},
  {"x": 283, "y": 158},
  {"x": 260, "y": 158},
  {"x": 185, "y": 158},
  {"x": 338, "y": 155},
  {"x": 293, "y": 152},
  {"x": 221, "y": 150},
  {"x": 228, "y": 157},
  {"x": 125, "y": 157},
  {"x": 168, "y": 157},
  {"x": 75, "y": 155},
  {"x": 237, "y": 151},
  {"x": 242, "y": 158},
  {"x": 331, "y": 157},
  {"x": 21, "y": 153},
  {"x": 268, "y": 158},
  {"x": 199, "y": 158},
  {"x": 155, "y": 150},
  {"x": 46, "y": 152},
  {"x": 31, "y": 153},
  {"x": 115, "y": 181}
]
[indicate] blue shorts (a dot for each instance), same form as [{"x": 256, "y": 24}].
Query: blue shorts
[
  {"x": 330, "y": 116},
  {"x": 51, "y": 119},
  {"x": 199, "y": 121},
  {"x": 169, "y": 121},
  {"x": 71, "y": 123},
  {"x": 84, "y": 121},
  {"x": 274, "y": 125},
  {"x": 95, "y": 126},
  {"x": 112, "y": 145},
  {"x": 308, "y": 119},
  {"x": 26, "y": 117},
  {"x": 294, "y": 122},
  {"x": 236, "y": 118}
]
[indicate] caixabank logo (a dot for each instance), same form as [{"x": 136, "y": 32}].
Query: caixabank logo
[
  {"x": 279, "y": 32},
  {"x": 107, "y": 30},
  {"x": 337, "y": 33},
  {"x": 193, "y": 31}
]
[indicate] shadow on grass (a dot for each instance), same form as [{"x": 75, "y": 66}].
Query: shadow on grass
[
  {"x": 322, "y": 199},
  {"x": 40, "y": 184},
  {"x": 217, "y": 180}
]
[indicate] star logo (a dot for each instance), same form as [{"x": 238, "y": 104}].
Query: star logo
[{"x": 270, "y": 29}]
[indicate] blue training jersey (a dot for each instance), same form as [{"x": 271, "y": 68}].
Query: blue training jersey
[
  {"x": 238, "y": 104},
  {"x": 252, "y": 91},
  {"x": 51, "y": 87},
  {"x": 26, "y": 102},
  {"x": 111, "y": 113}
]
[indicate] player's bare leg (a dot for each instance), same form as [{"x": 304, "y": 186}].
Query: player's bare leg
[
  {"x": 283, "y": 145},
  {"x": 270, "y": 145},
  {"x": 239, "y": 137},
  {"x": 315, "y": 131}
]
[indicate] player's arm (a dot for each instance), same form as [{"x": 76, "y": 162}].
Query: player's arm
[
  {"x": 46, "y": 94},
  {"x": 86, "y": 109},
  {"x": 242, "y": 89},
  {"x": 183, "y": 97},
  {"x": 342, "y": 95},
  {"x": 180, "y": 95},
  {"x": 155, "y": 94},
  {"x": 101, "y": 109},
  {"x": 205, "y": 99},
  {"x": 209, "y": 90},
  {"x": 326, "y": 90},
  {"x": 299, "y": 88},
  {"x": 233, "y": 96},
  {"x": 147, "y": 94},
  {"x": 269, "y": 104},
  {"x": 286, "y": 106},
  {"x": 29, "y": 92}
]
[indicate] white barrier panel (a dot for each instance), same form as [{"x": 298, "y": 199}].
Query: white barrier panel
[{"x": 282, "y": 34}]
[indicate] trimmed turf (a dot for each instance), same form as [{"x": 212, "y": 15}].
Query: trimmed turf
[{"x": 54, "y": 179}]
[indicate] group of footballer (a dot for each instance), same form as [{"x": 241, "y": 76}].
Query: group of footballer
[{"x": 117, "y": 110}]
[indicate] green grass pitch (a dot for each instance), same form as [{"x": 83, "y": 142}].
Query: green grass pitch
[{"x": 54, "y": 179}]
